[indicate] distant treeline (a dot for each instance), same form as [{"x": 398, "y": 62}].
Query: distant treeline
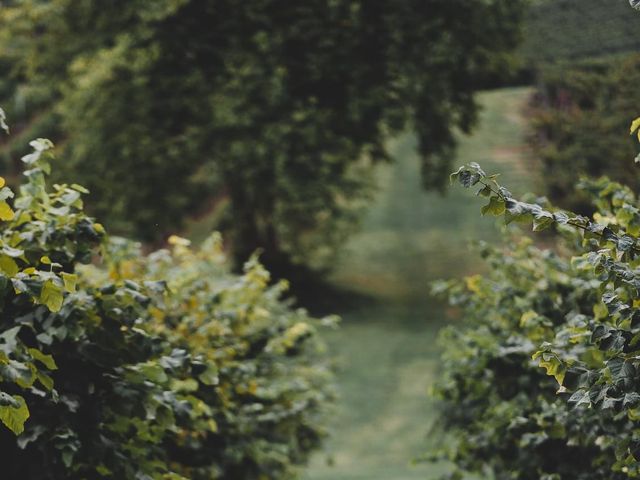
[
  {"x": 569, "y": 29},
  {"x": 578, "y": 124},
  {"x": 560, "y": 31}
]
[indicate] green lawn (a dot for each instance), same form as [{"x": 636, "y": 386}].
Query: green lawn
[{"x": 386, "y": 344}]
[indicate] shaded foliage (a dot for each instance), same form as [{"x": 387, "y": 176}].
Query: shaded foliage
[
  {"x": 573, "y": 314},
  {"x": 282, "y": 107},
  {"x": 165, "y": 366},
  {"x": 500, "y": 410}
]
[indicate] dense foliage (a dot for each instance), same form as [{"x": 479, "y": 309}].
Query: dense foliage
[
  {"x": 574, "y": 313},
  {"x": 160, "y": 366},
  {"x": 578, "y": 118},
  {"x": 280, "y": 107},
  {"x": 505, "y": 417}
]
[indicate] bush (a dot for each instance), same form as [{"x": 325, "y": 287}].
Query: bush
[
  {"x": 576, "y": 314},
  {"x": 501, "y": 411},
  {"x": 164, "y": 366}
]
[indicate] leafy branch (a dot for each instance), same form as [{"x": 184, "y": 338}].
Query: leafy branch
[{"x": 502, "y": 202}]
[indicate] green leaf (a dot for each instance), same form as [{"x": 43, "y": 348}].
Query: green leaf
[
  {"x": 8, "y": 265},
  {"x": 79, "y": 188},
  {"x": 52, "y": 296},
  {"x": 70, "y": 281},
  {"x": 485, "y": 191},
  {"x": 46, "y": 360},
  {"x": 496, "y": 206},
  {"x": 210, "y": 375},
  {"x": 6, "y": 213},
  {"x": 542, "y": 221},
  {"x": 45, "y": 380},
  {"x": 552, "y": 364},
  {"x": 103, "y": 470},
  {"x": 635, "y": 125},
  {"x": 15, "y": 417}
]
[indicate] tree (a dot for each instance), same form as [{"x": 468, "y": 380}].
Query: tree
[{"x": 281, "y": 107}]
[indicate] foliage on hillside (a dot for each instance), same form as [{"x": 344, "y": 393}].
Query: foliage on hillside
[
  {"x": 282, "y": 107},
  {"x": 557, "y": 30},
  {"x": 578, "y": 121},
  {"x": 575, "y": 314},
  {"x": 159, "y": 367}
]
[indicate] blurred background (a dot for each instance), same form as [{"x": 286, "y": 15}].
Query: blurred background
[{"x": 322, "y": 133}]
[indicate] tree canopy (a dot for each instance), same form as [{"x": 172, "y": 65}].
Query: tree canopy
[{"x": 167, "y": 108}]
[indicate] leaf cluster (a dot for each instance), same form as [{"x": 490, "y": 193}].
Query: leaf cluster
[
  {"x": 163, "y": 366},
  {"x": 574, "y": 316}
]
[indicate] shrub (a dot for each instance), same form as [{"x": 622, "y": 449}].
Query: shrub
[
  {"x": 501, "y": 410},
  {"x": 574, "y": 313},
  {"x": 263, "y": 380},
  {"x": 163, "y": 366}
]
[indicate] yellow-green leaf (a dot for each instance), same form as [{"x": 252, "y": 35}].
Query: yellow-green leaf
[
  {"x": 8, "y": 265},
  {"x": 14, "y": 418},
  {"x": 70, "y": 281},
  {"x": 45, "y": 380},
  {"x": 46, "y": 360},
  {"x": 5, "y": 211},
  {"x": 51, "y": 295},
  {"x": 496, "y": 206}
]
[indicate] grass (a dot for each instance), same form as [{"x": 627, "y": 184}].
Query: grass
[{"x": 386, "y": 346}]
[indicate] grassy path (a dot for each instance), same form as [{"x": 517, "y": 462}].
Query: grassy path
[{"x": 386, "y": 345}]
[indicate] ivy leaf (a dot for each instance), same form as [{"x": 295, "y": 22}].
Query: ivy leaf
[
  {"x": 552, "y": 364},
  {"x": 626, "y": 243},
  {"x": 631, "y": 399},
  {"x": 580, "y": 398}
]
